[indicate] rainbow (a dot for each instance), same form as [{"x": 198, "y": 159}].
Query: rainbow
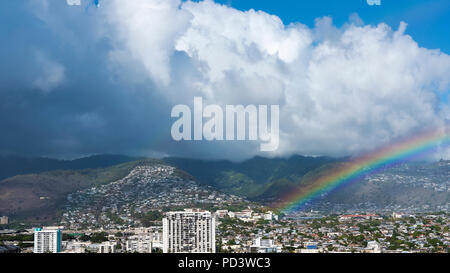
[{"x": 356, "y": 169}]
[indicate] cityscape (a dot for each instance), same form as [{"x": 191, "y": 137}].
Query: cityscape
[{"x": 246, "y": 231}]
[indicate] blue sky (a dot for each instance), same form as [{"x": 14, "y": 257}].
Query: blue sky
[{"x": 428, "y": 20}]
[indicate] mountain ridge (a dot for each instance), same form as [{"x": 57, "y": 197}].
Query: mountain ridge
[
  {"x": 12, "y": 165},
  {"x": 262, "y": 180},
  {"x": 251, "y": 177}
]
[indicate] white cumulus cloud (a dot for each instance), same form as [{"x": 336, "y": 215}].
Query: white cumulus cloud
[{"x": 341, "y": 90}]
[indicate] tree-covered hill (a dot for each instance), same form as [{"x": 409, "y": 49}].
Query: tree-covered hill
[
  {"x": 253, "y": 178},
  {"x": 17, "y": 165}
]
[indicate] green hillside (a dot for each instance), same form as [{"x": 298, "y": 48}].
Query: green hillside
[
  {"x": 39, "y": 196},
  {"x": 419, "y": 185},
  {"x": 17, "y": 165},
  {"x": 257, "y": 178}
]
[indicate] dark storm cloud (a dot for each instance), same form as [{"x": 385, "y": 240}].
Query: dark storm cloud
[
  {"x": 97, "y": 107},
  {"x": 89, "y": 111}
]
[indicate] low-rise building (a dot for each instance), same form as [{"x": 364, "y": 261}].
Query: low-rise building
[
  {"x": 107, "y": 247},
  {"x": 264, "y": 246},
  {"x": 4, "y": 220}
]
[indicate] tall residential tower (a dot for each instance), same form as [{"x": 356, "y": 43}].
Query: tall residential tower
[
  {"x": 47, "y": 240},
  {"x": 189, "y": 231}
]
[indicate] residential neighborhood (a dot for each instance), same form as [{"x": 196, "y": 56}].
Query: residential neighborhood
[{"x": 261, "y": 231}]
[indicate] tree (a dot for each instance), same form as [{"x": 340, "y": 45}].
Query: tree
[{"x": 99, "y": 237}]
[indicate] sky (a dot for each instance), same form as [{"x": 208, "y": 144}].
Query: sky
[
  {"x": 425, "y": 18},
  {"x": 82, "y": 77}
]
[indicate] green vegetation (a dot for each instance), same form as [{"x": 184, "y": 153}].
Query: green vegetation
[
  {"x": 16, "y": 165},
  {"x": 17, "y": 237},
  {"x": 98, "y": 237},
  {"x": 46, "y": 192},
  {"x": 258, "y": 178},
  {"x": 148, "y": 218}
]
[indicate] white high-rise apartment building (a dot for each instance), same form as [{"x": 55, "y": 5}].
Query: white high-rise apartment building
[
  {"x": 47, "y": 240},
  {"x": 189, "y": 231}
]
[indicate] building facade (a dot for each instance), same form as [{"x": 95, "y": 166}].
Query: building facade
[
  {"x": 189, "y": 231},
  {"x": 47, "y": 240},
  {"x": 4, "y": 220},
  {"x": 264, "y": 246},
  {"x": 141, "y": 243},
  {"x": 107, "y": 247}
]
